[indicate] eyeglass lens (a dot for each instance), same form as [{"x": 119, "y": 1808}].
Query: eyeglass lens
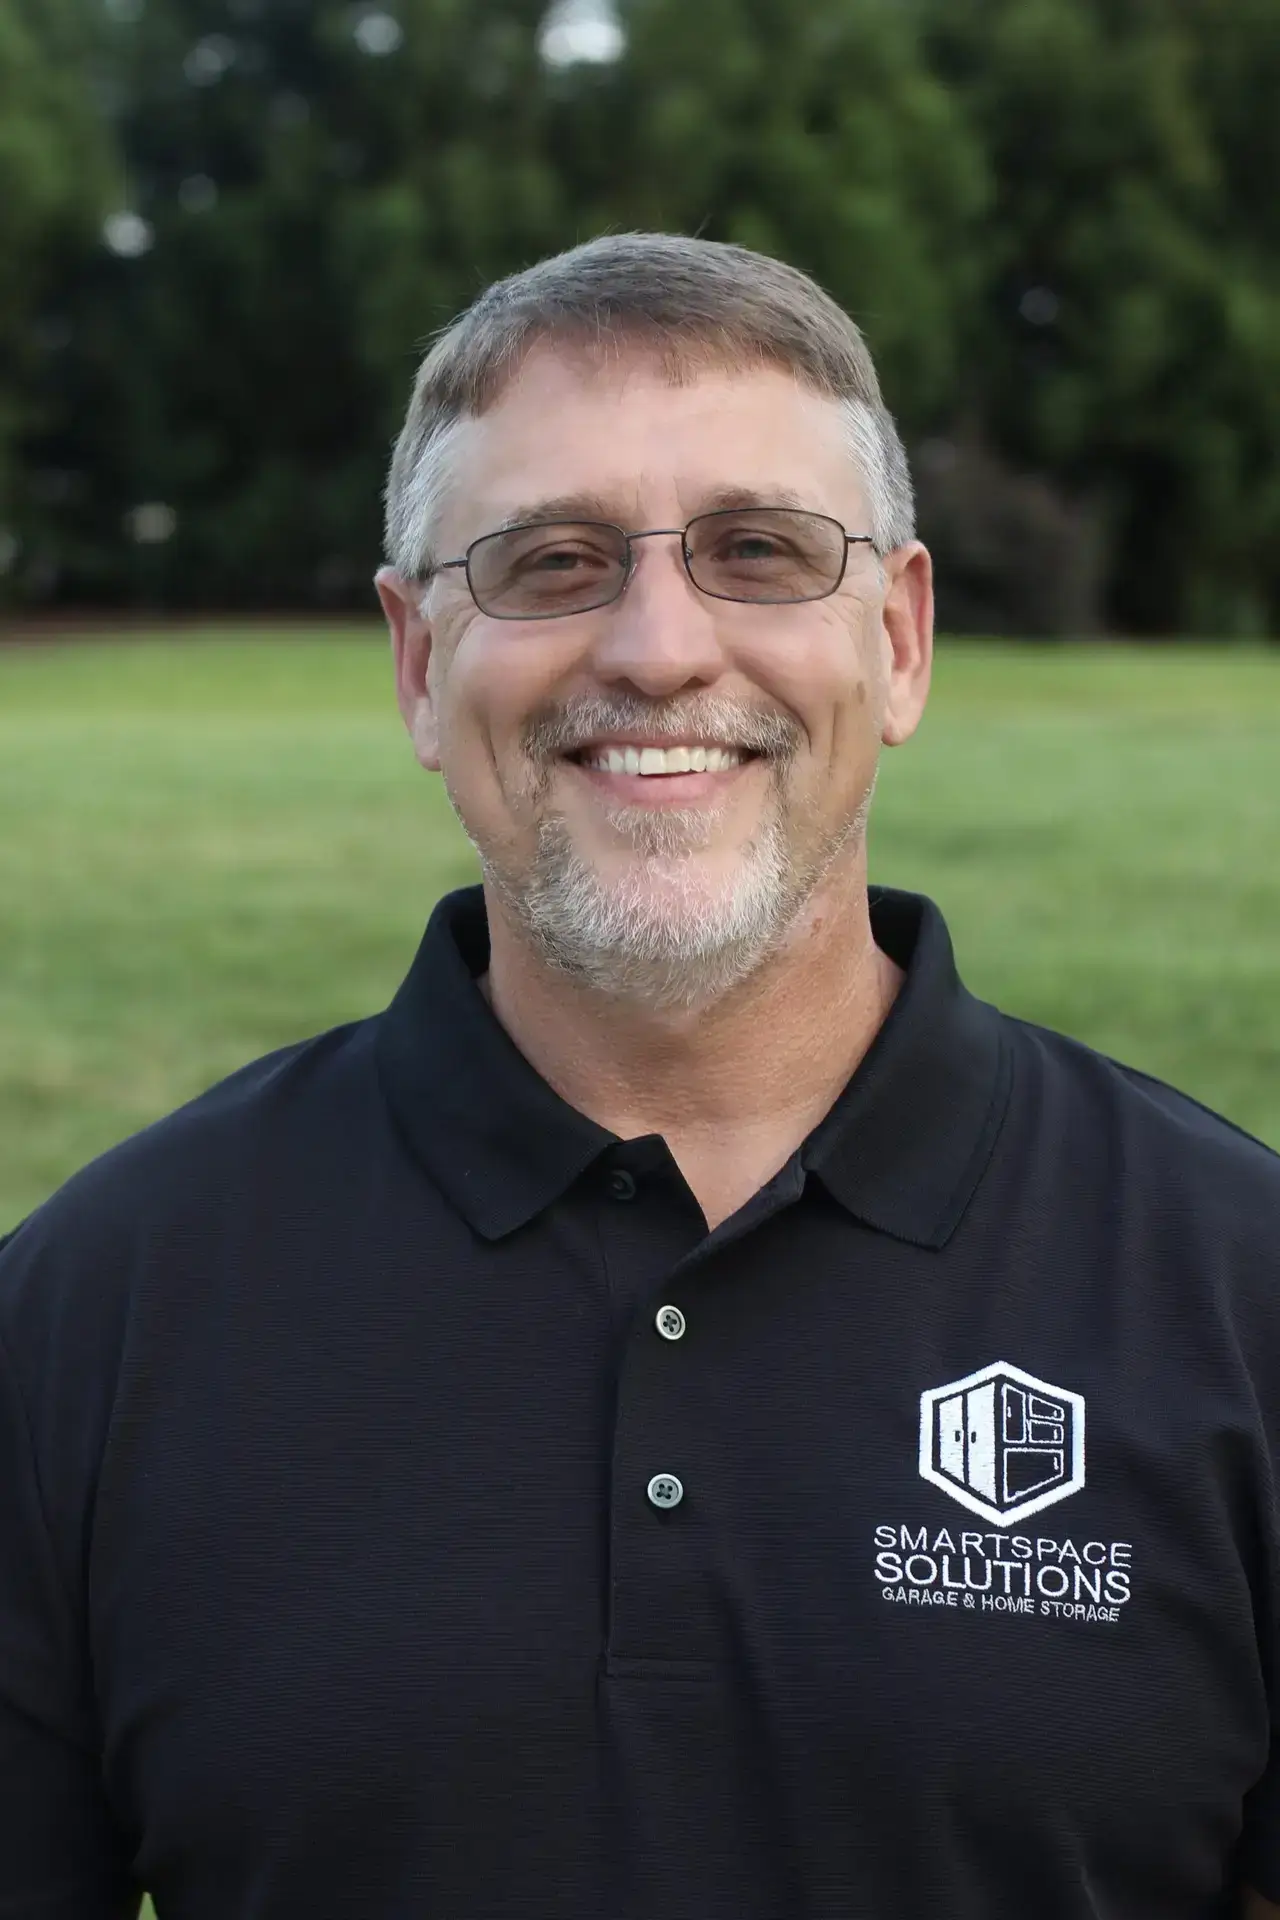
[{"x": 771, "y": 554}]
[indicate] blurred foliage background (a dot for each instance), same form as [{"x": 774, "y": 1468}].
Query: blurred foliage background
[{"x": 229, "y": 227}]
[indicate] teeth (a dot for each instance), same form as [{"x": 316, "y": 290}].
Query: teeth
[
  {"x": 664, "y": 759},
  {"x": 649, "y": 760}
]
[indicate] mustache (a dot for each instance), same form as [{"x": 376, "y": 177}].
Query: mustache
[{"x": 553, "y": 731}]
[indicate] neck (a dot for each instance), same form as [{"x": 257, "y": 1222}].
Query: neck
[{"x": 734, "y": 1086}]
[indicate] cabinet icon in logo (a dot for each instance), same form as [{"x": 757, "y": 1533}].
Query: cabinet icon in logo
[{"x": 1002, "y": 1443}]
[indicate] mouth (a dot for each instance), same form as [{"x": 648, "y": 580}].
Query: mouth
[
  {"x": 644, "y": 773},
  {"x": 651, "y": 762}
]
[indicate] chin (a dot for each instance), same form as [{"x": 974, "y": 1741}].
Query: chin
[
  {"x": 689, "y": 890},
  {"x": 669, "y": 926}
]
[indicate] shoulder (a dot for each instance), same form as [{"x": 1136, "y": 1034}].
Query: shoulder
[
  {"x": 172, "y": 1180},
  {"x": 137, "y": 1259},
  {"x": 1147, "y": 1133}
]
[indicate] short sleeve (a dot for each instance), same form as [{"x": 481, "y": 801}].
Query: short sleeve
[{"x": 60, "y": 1857}]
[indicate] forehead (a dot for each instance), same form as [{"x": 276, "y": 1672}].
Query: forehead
[{"x": 622, "y": 438}]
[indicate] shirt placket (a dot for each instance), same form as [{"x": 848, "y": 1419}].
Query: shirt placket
[{"x": 667, "y": 1461}]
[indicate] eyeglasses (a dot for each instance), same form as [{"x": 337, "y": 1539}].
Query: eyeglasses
[{"x": 765, "y": 555}]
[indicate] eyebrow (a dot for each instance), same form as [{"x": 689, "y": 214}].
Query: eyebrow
[
  {"x": 725, "y": 499},
  {"x": 590, "y": 506},
  {"x": 567, "y": 506}
]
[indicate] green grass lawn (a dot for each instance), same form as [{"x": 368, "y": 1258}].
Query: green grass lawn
[{"x": 210, "y": 847}]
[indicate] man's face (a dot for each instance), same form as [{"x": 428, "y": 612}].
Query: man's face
[{"x": 674, "y": 880}]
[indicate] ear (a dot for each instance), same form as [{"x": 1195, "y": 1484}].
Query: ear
[
  {"x": 907, "y": 630},
  {"x": 411, "y": 651}
]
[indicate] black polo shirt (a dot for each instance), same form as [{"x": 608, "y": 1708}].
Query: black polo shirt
[{"x": 408, "y": 1509}]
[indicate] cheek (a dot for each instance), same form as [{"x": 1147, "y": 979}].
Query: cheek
[
  {"x": 818, "y": 668},
  {"x": 855, "y": 741},
  {"x": 491, "y": 686},
  {"x": 850, "y": 689},
  {"x": 833, "y": 773}
]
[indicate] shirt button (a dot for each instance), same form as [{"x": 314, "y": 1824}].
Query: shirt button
[
  {"x": 622, "y": 1185},
  {"x": 665, "y": 1490},
  {"x": 670, "y": 1322}
]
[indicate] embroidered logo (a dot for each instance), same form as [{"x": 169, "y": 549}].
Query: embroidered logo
[{"x": 1002, "y": 1443}]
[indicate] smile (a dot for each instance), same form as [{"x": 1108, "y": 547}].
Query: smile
[
  {"x": 663, "y": 759},
  {"x": 625, "y": 757}
]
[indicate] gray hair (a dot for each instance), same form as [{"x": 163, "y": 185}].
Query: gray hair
[{"x": 694, "y": 303}]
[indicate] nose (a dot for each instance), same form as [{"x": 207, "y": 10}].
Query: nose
[{"x": 662, "y": 635}]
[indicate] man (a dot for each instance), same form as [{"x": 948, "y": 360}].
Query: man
[{"x": 689, "y": 1413}]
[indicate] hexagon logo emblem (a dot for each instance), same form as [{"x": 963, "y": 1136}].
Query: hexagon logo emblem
[{"x": 1002, "y": 1443}]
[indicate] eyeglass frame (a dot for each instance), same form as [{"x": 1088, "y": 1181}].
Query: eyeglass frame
[{"x": 649, "y": 533}]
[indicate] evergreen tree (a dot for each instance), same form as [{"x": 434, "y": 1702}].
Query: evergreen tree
[
  {"x": 1128, "y": 339},
  {"x": 55, "y": 166},
  {"x": 1056, "y": 221}
]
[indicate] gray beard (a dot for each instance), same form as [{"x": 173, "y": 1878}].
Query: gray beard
[
  {"x": 687, "y": 949},
  {"x": 673, "y": 944}
]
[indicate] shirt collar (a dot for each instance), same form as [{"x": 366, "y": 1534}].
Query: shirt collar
[
  {"x": 909, "y": 1138},
  {"x": 903, "y": 1147}
]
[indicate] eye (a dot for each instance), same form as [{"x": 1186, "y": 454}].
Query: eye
[
  {"x": 558, "y": 555},
  {"x": 748, "y": 547},
  {"x": 554, "y": 559},
  {"x": 766, "y": 554},
  {"x": 743, "y": 544}
]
